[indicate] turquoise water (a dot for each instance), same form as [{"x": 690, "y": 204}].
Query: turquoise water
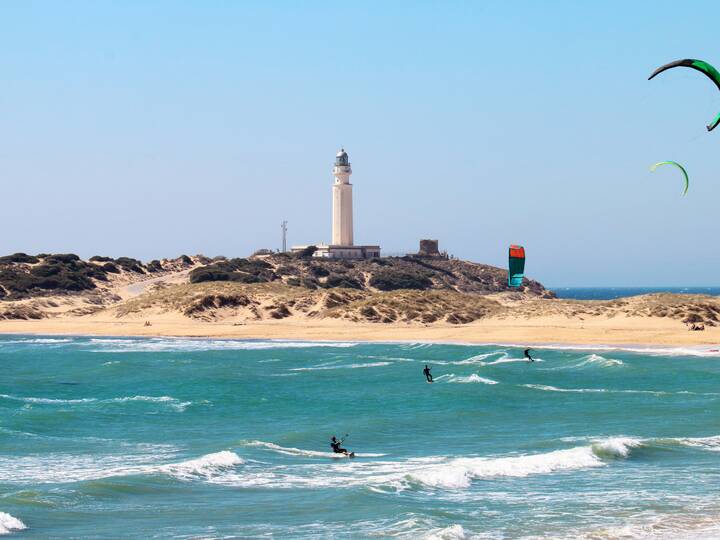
[
  {"x": 164, "y": 438},
  {"x": 610, "y": 293}
]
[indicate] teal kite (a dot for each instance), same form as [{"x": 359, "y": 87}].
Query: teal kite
[
  {"x": 685, "y": 174},
  {"x": 698, "y": 65},
  {"x": 516, "y": 266}
]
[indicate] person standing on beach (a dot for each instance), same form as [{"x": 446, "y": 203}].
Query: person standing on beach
[
  {"x": 527, "y": 355},
  {"x": 427, "y": 374}
]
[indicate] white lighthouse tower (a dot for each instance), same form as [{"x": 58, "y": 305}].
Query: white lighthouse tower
[
  {"x": 342, "y": 208},
  {"x": 342, "y": 245}
]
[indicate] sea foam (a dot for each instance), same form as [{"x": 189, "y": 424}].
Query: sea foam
[
  {"x": 171, "y": 401},
  {"x": 8, "y": 524},
  {"x": 306, "y": 453},
  {"x": 433, "y": 472},
  {"x": 110, "y": 345},
  {"x": 473, "y": 378},
  {"x": 54, "y": 468},
  {"x": 342, "y": 366}
]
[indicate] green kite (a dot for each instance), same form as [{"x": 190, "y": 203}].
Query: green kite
[
  {"x": 685, "y": 174},
  {"x": 702, "y": 67}
]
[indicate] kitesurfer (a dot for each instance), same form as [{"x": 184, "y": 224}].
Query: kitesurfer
[
  {"x": 427, "y": 374},
  {"x": 336, "y": 448},
  {"x": 526, "y": 354}
]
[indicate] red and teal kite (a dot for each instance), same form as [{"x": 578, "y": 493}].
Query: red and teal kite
[{"x": 516, "y": 266}]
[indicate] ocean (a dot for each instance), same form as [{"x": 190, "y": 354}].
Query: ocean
[
  {"x": 181, "y": 438},
  {"x": 610, "y": 293}
]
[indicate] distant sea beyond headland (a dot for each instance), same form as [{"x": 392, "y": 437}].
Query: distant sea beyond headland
[{"x": 610, "y": 293}]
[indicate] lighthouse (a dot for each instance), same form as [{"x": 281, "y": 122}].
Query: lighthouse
[
  {"x": 342, "y": 245},
  {"x": 342, "y": 210}
]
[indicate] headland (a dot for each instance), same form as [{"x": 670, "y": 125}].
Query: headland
[{"x": 280, "y": 296}]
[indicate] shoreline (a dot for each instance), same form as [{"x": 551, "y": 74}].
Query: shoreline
[{"x": 626, "y": 333}]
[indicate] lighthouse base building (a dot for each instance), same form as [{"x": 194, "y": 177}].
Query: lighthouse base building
[{"x": 342, "y": 246}]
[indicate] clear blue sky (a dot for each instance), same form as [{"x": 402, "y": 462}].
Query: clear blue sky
[{"x": 151, "y": 129}]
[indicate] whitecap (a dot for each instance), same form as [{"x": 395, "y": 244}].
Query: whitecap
[
  {"x": 509, "y": 360},
  {"x": 707, "y": 443},
  {"x": 549, "y": 388},
  {"x": 616, "y": 447},
  {"x": 108, "y": 345},
  {"x": 341, "y": 366},
  {"x": 453, "y": 532},
  {"x": 174, "y": 402},
  {"x": 9, "y": 523},
  {"x": 474, "y": 378},
  {"x": 204, "y": 466},
  {"x": 47, "y": 401},
  {"x": 306, "y": 453},
  {"x": 58, "y": 468},
  {"x": 434, "y": 472},
  {"x": 459, "y": 472}
]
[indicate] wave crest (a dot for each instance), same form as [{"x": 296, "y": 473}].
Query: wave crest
[
  {"x": 204, "y": 466},
  {"x": 300, "y": 452},
  {"x": 10, "y": 523},
  {"x": 474, "y": 378}
]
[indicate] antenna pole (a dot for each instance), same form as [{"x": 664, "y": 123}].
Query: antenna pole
[{"x": 283, "y": 226}]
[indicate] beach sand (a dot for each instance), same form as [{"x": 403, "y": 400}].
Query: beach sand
[{"x": 536, "y": 330}]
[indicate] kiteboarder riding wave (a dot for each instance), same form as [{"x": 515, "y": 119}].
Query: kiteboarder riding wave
[
  {"x": 427, "y": 374},
  {"x": 335, "y": 445}
]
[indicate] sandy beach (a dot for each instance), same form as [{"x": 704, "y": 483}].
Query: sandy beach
[{"x": 599, "y": 330}]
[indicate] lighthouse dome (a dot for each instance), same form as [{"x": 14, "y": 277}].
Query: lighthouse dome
[{"x": 341, "y": 158}]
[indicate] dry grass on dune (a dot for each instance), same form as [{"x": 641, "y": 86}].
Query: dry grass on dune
[
  {"x": 216, "y": 301},
  {"x": 258, "y": 301},
  {"x": 685, "y": 308}
]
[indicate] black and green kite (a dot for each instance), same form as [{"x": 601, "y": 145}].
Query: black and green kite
[{"x": 702, "y": 67}]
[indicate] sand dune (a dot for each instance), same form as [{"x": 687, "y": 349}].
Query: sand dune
[{"x": 174, "y": 307}]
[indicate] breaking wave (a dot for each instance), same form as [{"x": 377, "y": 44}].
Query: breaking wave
[
  {"x": 549, "y": 388},
  {"x": 453, "y": 532},
  {"x": 687, "y": 525},
  {"x": 51, "y": 468},
  {"x": 473, "y": 378},
  {"x": 171, "y": 401},
  {"x": 434, "y": 472},
  {"x": 706, "y": 443},
  {"x": 595, "y": 360},
  {"x": 342, "y": 366},
  {"x": 204, "y": 466},
  {"x": 9, "y": 524},
  {"x": 305, "y": 453},
  {"x": 508, "y": 360},
  {"x": 110, "y": 345}
]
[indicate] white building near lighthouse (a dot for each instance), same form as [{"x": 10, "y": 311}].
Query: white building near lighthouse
[{"x": 342, "y": 245}]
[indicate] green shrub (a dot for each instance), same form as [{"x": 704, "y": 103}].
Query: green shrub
[
  {"x": 154, "y": 266},
  {"x": 395, "y": 280},
  {"x": 334, "y": 281},
  {"x": 130, "y": 265},
  {"x": 110, "y": 268},
  {"x": 307, "y": 252},
  {"x": 319, "y": 271},
  {"x": 63, "y": 258},
  {"x": 19, "y": 258}
]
